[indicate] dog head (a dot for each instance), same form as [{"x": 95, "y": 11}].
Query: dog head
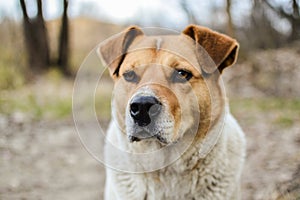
[{"x": 164, "y": 85}]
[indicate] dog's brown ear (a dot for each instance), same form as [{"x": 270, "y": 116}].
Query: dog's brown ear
[
  {"x": 113, "y": 51},
  {"x": 222, "y": 49}
]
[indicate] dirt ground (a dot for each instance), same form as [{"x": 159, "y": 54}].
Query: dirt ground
[{"x": 45, "y": 160}]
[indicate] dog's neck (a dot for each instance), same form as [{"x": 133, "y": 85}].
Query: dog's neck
[{"x": 201, "y": 150}]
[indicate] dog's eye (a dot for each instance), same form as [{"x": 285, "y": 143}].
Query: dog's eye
[
  {"x": 130, "y": 76},
  {"x": 181, "y": 76}
]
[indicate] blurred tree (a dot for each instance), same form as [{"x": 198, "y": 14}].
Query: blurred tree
[
  {"x": 36, "y": 39},
  {"x": 190, "y": 16},
  {"x": 63, "y": 51},
  {"x": 264, "y": 29},
  {"x": 261, "y": 30},
  {"x": 230, "y": 26},
  {"x": 291, "y": 12},
  {"x": 37, "y": 44}
]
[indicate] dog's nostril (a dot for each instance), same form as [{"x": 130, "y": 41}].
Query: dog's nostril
[
  {"x": 134, "y": 109},
  {"x": 154, "y": 110}
]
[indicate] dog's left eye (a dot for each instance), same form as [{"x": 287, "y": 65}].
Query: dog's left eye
[
  {"x": 130, "y": 76},
  {"x": 181, "y": 76}
]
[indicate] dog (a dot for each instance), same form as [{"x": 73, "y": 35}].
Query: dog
[{"x": 169, "y": 112}]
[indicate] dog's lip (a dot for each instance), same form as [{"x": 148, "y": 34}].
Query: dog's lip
[
  {"x": 161, "y": 139},
  {"x": 140, "y": 135},
  {"x": 133, "y": 138}
]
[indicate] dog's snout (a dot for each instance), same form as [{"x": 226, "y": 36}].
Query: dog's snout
[{"x": 143, "y": 109}]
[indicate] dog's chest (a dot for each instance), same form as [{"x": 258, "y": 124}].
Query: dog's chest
[
  {"x": 171, "y": 186},
  {"x": 199, "y": 183}
]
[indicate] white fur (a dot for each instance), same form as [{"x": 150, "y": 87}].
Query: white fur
[
  {"x": 215, "y": 177},
  {"x": 158, "y": 43}
]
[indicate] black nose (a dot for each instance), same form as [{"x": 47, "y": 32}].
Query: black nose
[{"x": 143, "y": 109}]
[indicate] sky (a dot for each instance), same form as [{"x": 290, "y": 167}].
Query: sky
[
  {"x": 147, "y": 12},
  {"x": 115, "y": 9},
  {"x": 118, "y": 11}
]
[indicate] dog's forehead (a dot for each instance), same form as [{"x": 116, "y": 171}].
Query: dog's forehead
[
  {"x": 168, "y": 42},
  {"x": 171, "y": 46}
]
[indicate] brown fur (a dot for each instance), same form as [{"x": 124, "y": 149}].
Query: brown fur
[{"x": 221, "y": 48}]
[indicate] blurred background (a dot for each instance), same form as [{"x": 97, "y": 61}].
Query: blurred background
[{"x": 44, "y": 42}]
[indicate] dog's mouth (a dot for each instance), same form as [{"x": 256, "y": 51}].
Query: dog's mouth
[{"x": 145, "y": 135}]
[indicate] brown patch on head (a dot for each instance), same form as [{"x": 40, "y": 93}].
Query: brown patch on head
[
  {"x": 114, "y": 50},
  {"x": 202, "y": 92},
  {"x": 135, "y": 60}
]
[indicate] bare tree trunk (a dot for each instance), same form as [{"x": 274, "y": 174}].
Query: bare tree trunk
[
  {"x": 293, "y": 17},
  {"x": 230, "y": 27},
  {"x": 190, "y": 16},
  {"x": 263, "y": 34},
  {"x": 64, "y": 51},
  {"x": 36, "y": 39},
  {"x": 295, "y": 21}
]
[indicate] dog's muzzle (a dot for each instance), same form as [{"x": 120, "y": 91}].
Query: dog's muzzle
[{"x": 144, "y": 110}]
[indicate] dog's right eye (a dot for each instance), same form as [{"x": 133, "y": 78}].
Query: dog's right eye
[{"x": 130, "y": 76}]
